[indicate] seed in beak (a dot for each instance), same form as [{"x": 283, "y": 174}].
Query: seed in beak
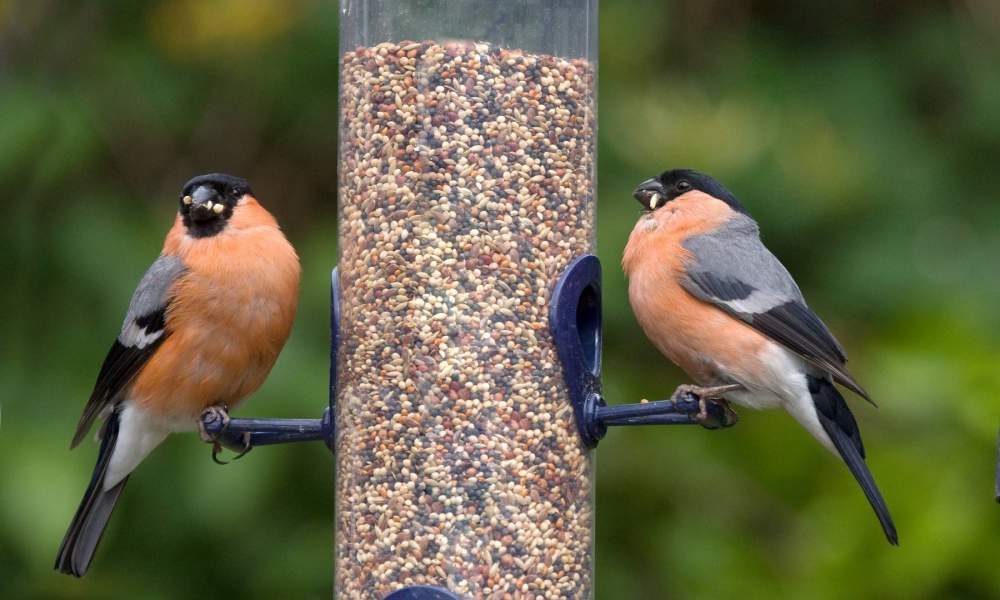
[
  {"x": 188, "y": 199},
  {"x": 653, "y": 200},
  {"x": 218, "y": 208}
]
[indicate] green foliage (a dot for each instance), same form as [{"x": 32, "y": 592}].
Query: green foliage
[{"x": 863, "y": 139}]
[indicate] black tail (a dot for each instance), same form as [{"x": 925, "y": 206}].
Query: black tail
[
  {"x": 77, "y": 549},
  {"x": 839, "y": 424}
]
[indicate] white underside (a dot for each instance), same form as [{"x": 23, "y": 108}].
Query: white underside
[
  {"x": 780, "y": 383},
  {"x": 138, "y": 433}
]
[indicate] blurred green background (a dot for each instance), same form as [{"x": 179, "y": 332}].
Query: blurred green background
[{"x": 864, "y": 137}]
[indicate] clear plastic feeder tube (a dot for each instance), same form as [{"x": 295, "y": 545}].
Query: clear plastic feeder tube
[{"x": 467, "y": 184}]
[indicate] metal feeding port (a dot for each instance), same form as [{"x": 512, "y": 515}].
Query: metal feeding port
[{"x": 423, "y": 592}]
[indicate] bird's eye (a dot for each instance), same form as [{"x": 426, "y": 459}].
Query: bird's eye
[{"x": 683, "y": 185}]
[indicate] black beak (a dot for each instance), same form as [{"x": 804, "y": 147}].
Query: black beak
[
  {"x": 203, "y": 200},
  {"x": 649, "y": 193}
]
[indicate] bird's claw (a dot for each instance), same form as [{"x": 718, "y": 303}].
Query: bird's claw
[
  {"x": 714, "y": 411},
  {"x": 719, "y": 415},
  {"x": 240, "y": 452}
]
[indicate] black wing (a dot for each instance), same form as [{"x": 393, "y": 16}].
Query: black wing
[
  {"x": 142, "y": 333},
  {"x": 799, "y": 329},
  {"x": 734, "y": 271},
  {"x": 120, "y": 366}
]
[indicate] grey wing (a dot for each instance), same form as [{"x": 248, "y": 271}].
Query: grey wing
[
  {"x": 143, "y": 330},
  {"x": 733, "y": 270}
]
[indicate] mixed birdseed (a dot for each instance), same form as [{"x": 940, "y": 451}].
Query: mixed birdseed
[{"x": 466, "y": 187}]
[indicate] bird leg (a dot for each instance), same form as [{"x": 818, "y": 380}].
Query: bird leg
[{"x": 704, "y": 394}]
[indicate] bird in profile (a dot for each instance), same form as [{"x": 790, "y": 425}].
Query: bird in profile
[
  {"x": 715, "y": 301},
  {"x": 202, "y": 331}
]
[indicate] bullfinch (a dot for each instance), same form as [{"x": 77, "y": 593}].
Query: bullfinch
[
  {"x": 202, "y": 332},
  {"x": 716, "y": 302}
]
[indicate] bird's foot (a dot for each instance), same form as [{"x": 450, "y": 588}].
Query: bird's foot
[
  {"x": 218, "y": 413},
  {"x": 715, "y": 394}
]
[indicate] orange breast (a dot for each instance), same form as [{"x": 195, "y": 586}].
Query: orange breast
[
  {"x": 711, "y": 346},
  {"x": 229, "y": 317}
]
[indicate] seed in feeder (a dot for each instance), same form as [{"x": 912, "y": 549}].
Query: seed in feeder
[{"x": 455, "y": 223}]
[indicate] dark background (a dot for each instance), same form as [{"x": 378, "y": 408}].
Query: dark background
[{"x": 864, "y": 137}]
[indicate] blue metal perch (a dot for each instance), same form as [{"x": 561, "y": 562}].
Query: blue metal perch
[{"x": 242, "y": 434}]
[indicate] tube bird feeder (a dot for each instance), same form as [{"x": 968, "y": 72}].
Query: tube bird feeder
[
  {"x": 467, "y": 186},
  {"x": 465, "y": 359}
]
